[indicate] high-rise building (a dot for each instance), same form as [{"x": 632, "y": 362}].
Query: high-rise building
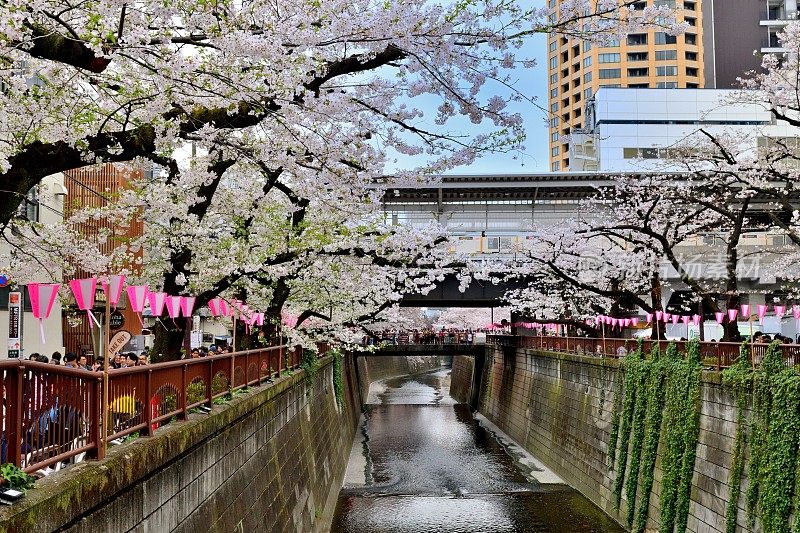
[{"x": 717, "y": 48}]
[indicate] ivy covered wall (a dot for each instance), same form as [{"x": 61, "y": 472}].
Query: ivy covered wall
[{"x": 651, "y": 439}]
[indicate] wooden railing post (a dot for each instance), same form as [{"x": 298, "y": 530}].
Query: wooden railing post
[
  {"x": 95, "y": 414},
  {"x": 209, "y": 388},
  {"x": 14, "y": 410},
  {"x": 148, "y": 408},
  {"x": 183, "y": 400}
]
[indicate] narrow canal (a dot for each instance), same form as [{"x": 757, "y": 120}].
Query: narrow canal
[{"x": 422, "y": 463}]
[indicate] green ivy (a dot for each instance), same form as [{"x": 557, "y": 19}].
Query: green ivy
[
  {"x": 655, "y": 409},
  {"x": 637, "y": 437},
  {"x": 739, "y": 378},
  {"x": 310, "y": 363},
  {"x": 632, "y": 365},
  {"x": 12, "y": 477},
  {"x": 338, "y": 378},
  {"x": 616, "y": 411},
  {"x": 660, "y": 401}
]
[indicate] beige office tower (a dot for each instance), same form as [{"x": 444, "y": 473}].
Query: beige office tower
[{"x": 654, "y": 59}]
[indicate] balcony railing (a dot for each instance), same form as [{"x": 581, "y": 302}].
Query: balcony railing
[
  {"x": 53, "y": 415},
  {"x": 714, "y": 355}
]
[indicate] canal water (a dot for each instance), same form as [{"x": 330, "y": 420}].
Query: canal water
[{"x": 422, "y": 463}]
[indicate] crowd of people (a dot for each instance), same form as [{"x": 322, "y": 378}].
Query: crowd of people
[{"x": 119, "y": 360}]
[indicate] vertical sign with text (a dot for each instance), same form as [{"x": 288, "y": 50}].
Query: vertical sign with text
[{"x": 14, "y": 323}]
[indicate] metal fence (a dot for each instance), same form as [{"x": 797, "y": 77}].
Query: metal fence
[
  {"x": 713, "y": 354},
  {"x": 53, "y": 415}
]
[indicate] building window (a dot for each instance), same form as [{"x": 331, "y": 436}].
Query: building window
[
  {"x": 587, "y": 45},
  {"x": 690, "y": 38},
  {"x": 587, "y": 77},
  {"x": 691, "y": 56},
  {"x": 690, "y": 21},
  {"x": 689, "y": 6},
  {"x": 637, "y": 39},
  {"x": 554, "y": 92},
  {"x": 554, "y": 122},
  {"x": 638, "y": 85},
  {"x": 664, "y": 38},
  {"x": 610, "y": 85},
  {"x": 555, "y": 150},
  {"x": 670, "y": 70},
  {"x": 553, "y": 62},
  {"x": 608, "y": 73},
  {"x": 667, "y": 85},
  {"x": 638, "y": 72},
  {"x": 553, "y": 46},
  {"x": 556, "y": 166},
  {"x": 613, "y": 43},
  {"x": 554, "y": 136},
  {"x": 608, "y": 58},
  {"x": 587, "y": 93},
  {"x": 666, "y": 55},
  {"x": 554, "y": 107},
  {"x": 691, "y": 71},
  {"x": 553, "y": 78},
  {"x": 587, "y": 62},
  {"x": 29, "y": 208},
  {"x": 692, "y": 86}
]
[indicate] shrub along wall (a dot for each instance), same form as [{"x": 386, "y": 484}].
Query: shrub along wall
[
  {"x": 271, "y": 460},
  {"x": 651, "y": 440}
]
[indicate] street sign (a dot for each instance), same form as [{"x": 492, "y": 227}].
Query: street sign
[
  {"x": 120, "y": 339},
  {"x": 14, "y": 323},
  {"x": 117, "y": 320}
]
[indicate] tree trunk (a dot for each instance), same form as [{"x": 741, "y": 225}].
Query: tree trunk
[
  {"x": 659, "y": 331},
  {"x": 170, "y": 339}
]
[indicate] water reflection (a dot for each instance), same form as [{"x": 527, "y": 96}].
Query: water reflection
[{"x": 425, "y": 464}]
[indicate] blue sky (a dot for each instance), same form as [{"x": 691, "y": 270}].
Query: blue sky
[
  {"x": 532, "y": 83},
  {"x": 535, "y": 157}
]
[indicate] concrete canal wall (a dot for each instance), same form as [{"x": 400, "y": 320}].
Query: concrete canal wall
[
  {"x": 271, "y": 460},
  {"x": 373, "y": 368},
  {"x": 559, "y": 408}
]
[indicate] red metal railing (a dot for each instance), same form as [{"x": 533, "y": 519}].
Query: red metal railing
[
  {"x": 717, "y": 354},
  {"x": 53, "y": 414}
]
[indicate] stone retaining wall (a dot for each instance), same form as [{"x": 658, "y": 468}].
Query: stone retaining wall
[
  {"x": 272, "y": 460},
  {"x": 461, "y": 378},
  {"x": 559, "y": 408},
  {"x": 373, "y": 368}
]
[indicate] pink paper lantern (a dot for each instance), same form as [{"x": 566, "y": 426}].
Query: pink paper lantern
[
  {"x": 187, "y": 305},
  {"x": 659, "y": 315},
  {"x": 42, "y": 296},
  {"x": 83, "y": 290},
  {"x": 648, "y": 317},
  {"x": 796, "y": 311},
  {"x": 732, "y": 314},
  {"x": 685, "y": 319},
  {"x": 626, "y": 322},
  {"x": 214, "y": 306},
  {"x": 720, "y": 316},
  {"x": 666, "y": 317},
  {"x": 137, "y": 295},
  {"x": 173, "y": 304},
  {"x": 260, "y": 319},
  {"x": 674, "y": 318},
  {"x": 696, "y": 320},
  {"x": 746, "y": 311},
  {"x": 156, "y": 300},
  {"x": 780, "y": 310},
  {"x": 115, "y": 281},
  {"x": 761, "y": 310},
  {"x": 635, "y": 321}
]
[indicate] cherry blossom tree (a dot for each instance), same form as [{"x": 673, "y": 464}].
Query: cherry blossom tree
[{"x": 112, "y": 81}]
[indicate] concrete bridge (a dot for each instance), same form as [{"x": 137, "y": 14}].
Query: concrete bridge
[{"x": 390, "y": 350}]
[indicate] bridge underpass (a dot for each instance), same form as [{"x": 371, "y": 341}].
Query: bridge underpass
[{"x": 447, "y": 294}]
